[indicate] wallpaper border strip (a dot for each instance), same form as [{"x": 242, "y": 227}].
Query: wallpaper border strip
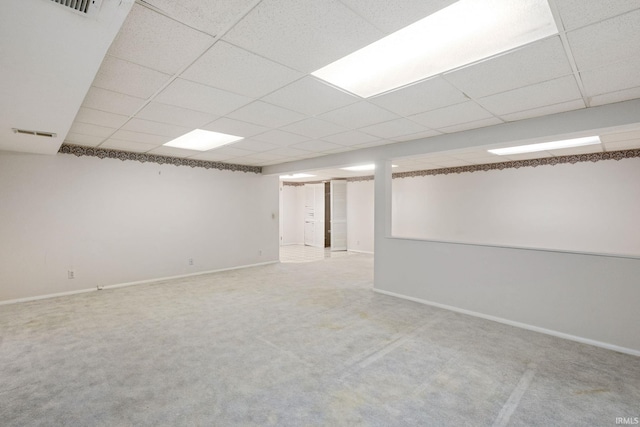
[
  {"x": 515, "y": 164},
  {"x": 108, "y": 153}
]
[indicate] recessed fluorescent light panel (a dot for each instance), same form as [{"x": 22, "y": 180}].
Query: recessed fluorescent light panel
[
  {"x": 463, "y": 33},
  {"x": 363, "y": 168},
  {"x": 202, "y": 140},
  {"x": 545, "y": 146},
  {"x": 296, "y": 175}
]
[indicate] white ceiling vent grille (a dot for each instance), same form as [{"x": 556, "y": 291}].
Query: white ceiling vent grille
[
  {"x": 34, "y": 133},
  {"x": 86, "y": 7}
]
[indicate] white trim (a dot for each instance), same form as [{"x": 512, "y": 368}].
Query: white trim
[
  {"x": 516, "y": 324},
  {"x": 60, "y": 294},
  {"x": 139, "y": 282},
  {"x": 524, "y": 248},
  {"x": 360, "y": 252}
]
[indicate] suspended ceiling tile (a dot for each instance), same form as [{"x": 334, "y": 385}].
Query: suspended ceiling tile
[
  {"x": 280, "y": 138},
  {"x": 374, "y": 143},
  {"x": 92, "y": 130},
  {"x": 310, "y": 96},
  {"x": 100, "y": 118},
  {"x": 314, "y": 128},
  {"x": 533, "y": 63},
  {"x": 253, "y": 145},
  {"x": 621, "y": 136},
  {"x": 232, "y": 151},
  {"x": 128, "y": 78},
  {"x": 576, "y": 104},
  {"x": 263, "y": 157},
  {"x": 622, "y": 145},
  {"x": 538, "y": 95},
  {"x": 173, "y": 151},
  {"x": 420, "y": 135},
  {"x": 150, "y": 39},
  {"x": 264, "y": 114},
  {"x": 427, "y": 95},
  {"x": 155, "y": 128},
  {"x": 112, "y": 102},
  {"x": 86, "y": 140},
  {"x": 390, "y": 16},
  {"x": 137, "y": 147},
  {"x": 619, "y": 96},
  {"x": 393, "y": 128},
  {"x": 612, "y": 78},
  {"x": 210, "y": 17},
  {"x": 171, "y": 114},
  {"x": 195, "y": 96},
  {"x": 578, "y": 13},
  {"x": 577, "y": 150},
  {"x": 471, "y": 125},
  {"x": 358, "y": 115},
  {"x": 452, "y": 115},
  {"x": 608, "y": 41},
  {"x": 144, "y": 138},
  {"x": 235, "y": 127},
  {"x": 323, "y": 31},
  {"x": 352, "y": 137},
  {"x": 317, "y": 146},
  {"x": 233, "y": 69},
  {"x": 288, "y": 152}
]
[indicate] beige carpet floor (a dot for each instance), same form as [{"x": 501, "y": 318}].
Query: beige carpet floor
[{"x": 300, "y": 344}]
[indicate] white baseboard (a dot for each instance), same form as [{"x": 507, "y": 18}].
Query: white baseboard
[
  {"x": 139, "y": 282},
  {"x": 360, "y": 252},
  {"x": 59, "y": 294},
  {"x": 516, "y": 324}
]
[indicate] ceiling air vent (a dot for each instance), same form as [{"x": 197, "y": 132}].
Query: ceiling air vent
[
  {"x": 88, "y": 7},
  {"x": 35, "y": 133}
]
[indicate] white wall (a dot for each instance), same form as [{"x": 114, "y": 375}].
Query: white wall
[
  {"x": 292, "y": 213},
  {"x": 360, "y": 216},
  {"x": 589, "y": 298},
  {"x": 589, "y": 207},
  {"x": 115, "y": 222}
]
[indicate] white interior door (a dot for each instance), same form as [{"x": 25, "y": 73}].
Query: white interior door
[
  {"x": 314, "y": 215},
  {"x": 338, "y": 215}
]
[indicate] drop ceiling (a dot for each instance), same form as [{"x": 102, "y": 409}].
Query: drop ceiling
[
  {"x": 627, "y": 140},
  {"x": 243, "y": 68}
]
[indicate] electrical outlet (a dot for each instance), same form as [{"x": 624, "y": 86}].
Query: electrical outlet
[
  {"x": 190, "y": 261},
  {"x": 71, "y": 274}
]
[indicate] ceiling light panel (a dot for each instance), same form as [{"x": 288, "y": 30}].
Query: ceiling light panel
[
  {"x": 545, "y": 146},
  {"x": 202, "y": 140},
  {"x": 463, "y": 33}
]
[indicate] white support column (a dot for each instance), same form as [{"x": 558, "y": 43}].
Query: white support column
[{"x": 382, "y": 213}]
